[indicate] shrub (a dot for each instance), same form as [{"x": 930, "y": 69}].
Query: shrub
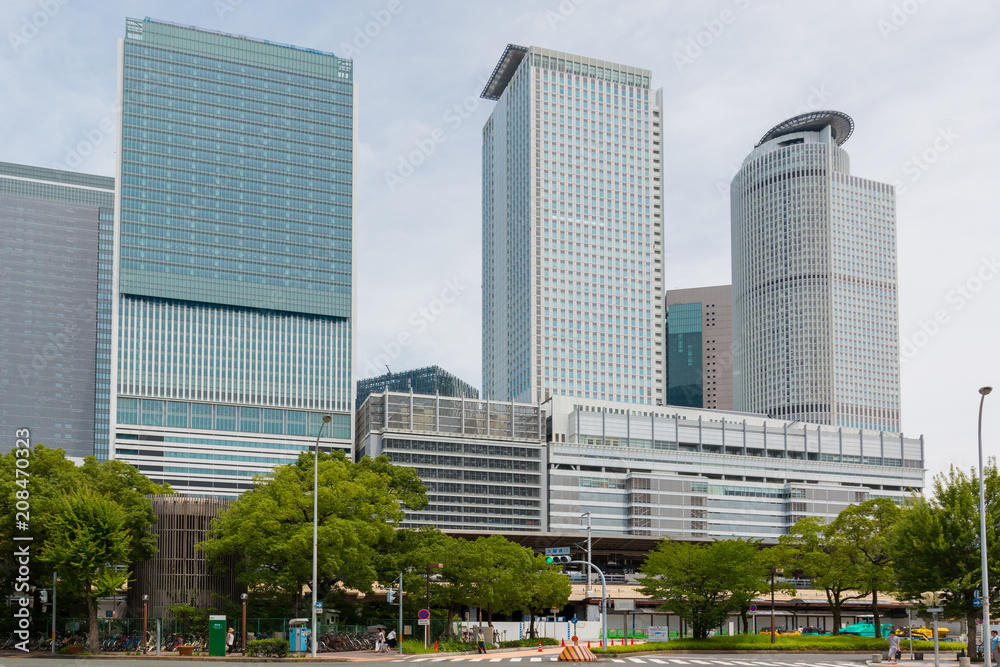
[
  {"x": 268, "y": 648},
  {"x": 513, "y": 643}
]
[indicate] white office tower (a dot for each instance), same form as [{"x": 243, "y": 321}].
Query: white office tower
[
  {"x": 815, "y": 307},
  {"x": 572, "y": 230}
]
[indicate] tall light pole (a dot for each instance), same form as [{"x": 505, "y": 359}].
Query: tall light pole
[
  {"x": 145, "y": 617},
  {"x": 243, "y": 597},
  {"x": 589, "y": 573},
  {"x": 427, "y": 628},
  {"x": 315, "y": 633},
  {"x": 983, "y": 391}
]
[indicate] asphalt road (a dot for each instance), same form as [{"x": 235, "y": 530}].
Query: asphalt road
[{"x": 521, "y": 660}]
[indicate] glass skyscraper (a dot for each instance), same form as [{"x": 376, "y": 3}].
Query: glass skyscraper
[
  {"x": 55, "y": 307},
  {"x": 235, "y": 308},
  {"x": 815, "y": 306},
  {"x": 572, "y": 230}
]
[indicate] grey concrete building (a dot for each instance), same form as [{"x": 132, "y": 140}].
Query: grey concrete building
[
  {"x": 699, "y": 334},
  {"x": 55, "y": 307},
  {"x": 482, "y": 462},
  {"x": 688, "y": 473}
]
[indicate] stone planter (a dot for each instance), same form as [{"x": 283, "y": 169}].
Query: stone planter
[
  {"x": 964, "y": 662},
  {"x": 877, "y": 658},
  {"x": 76, "y": 648},
  {"x": 185, "y": 650}
]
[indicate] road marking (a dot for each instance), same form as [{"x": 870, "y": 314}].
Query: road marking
[
  {"x": 741, "y": 662},
  {"x": 421, "y": 659},
  {"x": 536, "y": 660},
  {"x": 679, "y": 662},
  {"x": 475, "y": 659},
  {"x": 723, "y": 662},
  {"x": 515, "y": 660},
  {"x": 495, "y": 659},
  {"x": 637, "y": 660},
  {"x": 702, "y": 662},
  {"x": 659, "y": 662},
  {"x": 441, "y": 659}
]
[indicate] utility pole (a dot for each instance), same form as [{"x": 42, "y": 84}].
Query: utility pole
[
  {"x": 399, "y": 630},
  {"x": 590, "y": 574}
]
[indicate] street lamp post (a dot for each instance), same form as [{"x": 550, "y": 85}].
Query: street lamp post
[
  {"x": 145, "y": 617},
  {"x": 983, "y": 391},
  {"x": 590, "y": 574},
  {"x": 427, "y": 628},
  {"x": 244, "y": 626},
  {"x": 315, "y": 634}
]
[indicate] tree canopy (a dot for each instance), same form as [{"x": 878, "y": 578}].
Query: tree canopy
[
  {"x": 703, "y": 583},
  {"x": 936, "y": 542},
  {"x": 269, "y": 528},
  {"x": 822, "y": 554}
]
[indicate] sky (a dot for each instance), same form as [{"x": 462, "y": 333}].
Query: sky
[{"x": 920, "y": 78}]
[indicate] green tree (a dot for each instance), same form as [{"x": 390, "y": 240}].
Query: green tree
[
  {"x": 867, "y": 530},
  {"x": 268, "y": 529},
  {"x": 493, "y": 572},
  {"x": 822, "y": 554},
  {"x": 546, "y": 587},
  {"x": 936, "y": 543},
  {"x": 749, "y": 569},
  {"x": 89, "y": 536},
  {"x": 701, "y": 583},
  {"x": 49, "y": 473}
]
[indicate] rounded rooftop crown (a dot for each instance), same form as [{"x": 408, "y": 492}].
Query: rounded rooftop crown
[{"x": 841, "y": 126}]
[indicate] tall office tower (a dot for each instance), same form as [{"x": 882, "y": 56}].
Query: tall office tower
[
  {"x": 572, "y": 230},
  {"x": 55, "y": 307},
  {"x": 815, "y": 310},
  {"x": 699, "y": 335},
  {"x": 235, "y": 307}
]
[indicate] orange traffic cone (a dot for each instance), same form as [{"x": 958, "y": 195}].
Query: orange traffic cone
[
  {"x": 435, "y": 647},
  {"x": 632, "y": 642},
  {"x": 563, "y": 642},
  {"x": 588, "y": 643},
  {"x": 539, "y": 647}
]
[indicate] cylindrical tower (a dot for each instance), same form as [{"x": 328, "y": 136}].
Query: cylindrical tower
[{"x": 814, "y": 294}]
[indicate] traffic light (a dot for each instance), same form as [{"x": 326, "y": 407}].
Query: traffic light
[
  {"x": 558, "y": 559},
  {"x": 927, "y": 599},
  {"x": 944, "y": 597},
  {"x": 390, "y": 595}
]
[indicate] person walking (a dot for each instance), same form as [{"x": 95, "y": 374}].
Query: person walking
[
  {"x": 994, "y": 648},
  {"x": 480, "y": 641},
  {"x": 894, "y": 654},
  {"x": 391, "y": 638},
  {"x": 230, "y": 639},
  {"x": 379, "y": 640}
]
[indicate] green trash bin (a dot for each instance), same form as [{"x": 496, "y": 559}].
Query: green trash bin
[{"x": 217, "y": 635}]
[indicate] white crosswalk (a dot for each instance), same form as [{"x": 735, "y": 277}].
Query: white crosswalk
[{"x": 663, "y": 660}]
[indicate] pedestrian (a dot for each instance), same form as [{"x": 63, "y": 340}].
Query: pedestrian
[
  {"x": 230, "y": 638},
  {"x": 994, "y": 648},
  {"x": 480, "y": 641},
  {"x": 894, "y": 653},
  {"x": 391, "y": 638},
  {"x": 379, "y": 639}
]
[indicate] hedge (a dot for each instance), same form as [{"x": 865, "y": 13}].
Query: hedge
[{"x": 270, "y": 648}]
